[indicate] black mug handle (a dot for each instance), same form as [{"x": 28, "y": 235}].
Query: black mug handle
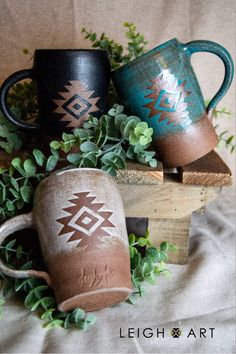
[{"x": 7, "y": 84}]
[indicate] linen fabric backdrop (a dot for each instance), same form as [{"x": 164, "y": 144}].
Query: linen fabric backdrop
[{"x": 199, "y": 294}]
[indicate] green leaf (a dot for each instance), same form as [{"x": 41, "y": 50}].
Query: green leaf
[
  {"x": 153, "y": 163},
  {"x": 51, "y": 163},
  {"x": 34, "y": 295},
  {"x": 88, "y": 146},
  {"x": 131, "y": 251},
  {"x": 67, "y": 323},
  {"x": 26, "y": 193},
  {"x": 55, "y": 145},
  {"x": 89, "y": 160},
  {"x": 54, "y": 324},
  {"x": 48, "y": 314},
  {"x": 91, "y": 319},
  {"x": 29, "y": 167},
  {"x": 133, "y": 139},
  {"x": 143, "y": 140},
  {"x": 110, "y": 170},
  {"x": 164, "y": 246},
  {"x": 74, "y": 158},
  {"x": 142, "y": 241},
  {"x": 15, "y": 184},
  {"x": 84, "y": 325},
  {"x": 45, "y": 302},
  {"x": 131, "y": 239},
  {"x": 148, "y": 132},
  {"x": 14, "y": 193},
  {"x": 10, "y": 205},
  {"x": 39, "y": 156},
  {"x": 109, "y": 158},
  {"x": 129, "y": 127},
  {"x": 17, "y": 164},
  {"x": 77, "y": 315},
  {"x": 131, "y": 299},
  {"x": 153, "y": 253}
]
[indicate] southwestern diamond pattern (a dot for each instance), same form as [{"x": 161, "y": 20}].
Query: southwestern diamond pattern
[
  {"x": 76, "y": 104},
  {"x": 86, "y": 219},
  {"x": 167, "y": 99}
]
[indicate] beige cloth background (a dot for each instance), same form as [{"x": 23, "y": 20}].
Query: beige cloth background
[{"x": 200, "y": 294}]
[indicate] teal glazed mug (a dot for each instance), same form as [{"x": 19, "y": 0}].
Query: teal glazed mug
[{"x": 162, "y": 89}]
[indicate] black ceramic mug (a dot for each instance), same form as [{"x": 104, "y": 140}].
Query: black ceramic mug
[{"x": 71, "y": 85}]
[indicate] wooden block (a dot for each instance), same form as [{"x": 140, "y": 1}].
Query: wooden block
[
  {"x": 136, "y": 173},
  {"x": 210, "y": 170},
  {"x": 170, "y": 199},
  {"x": 175, "y": 231}
]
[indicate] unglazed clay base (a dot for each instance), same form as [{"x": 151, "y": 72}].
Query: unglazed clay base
[
  {"x": 96, "y": 300},
  {"x": 79, "y": 281},
  {"x": 183, "y": 148}
]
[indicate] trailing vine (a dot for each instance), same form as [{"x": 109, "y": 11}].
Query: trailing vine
[{"x": 147, "y": 263}]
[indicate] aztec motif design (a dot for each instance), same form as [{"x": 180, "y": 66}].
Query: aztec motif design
[
  {"x": 168, "y": 99},
  {"x": 85, "y": 220},
  {"x": 75, "y": 104}
]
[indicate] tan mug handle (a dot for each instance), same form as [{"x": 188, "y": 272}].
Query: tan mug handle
[{"x": 14, "y": 224}]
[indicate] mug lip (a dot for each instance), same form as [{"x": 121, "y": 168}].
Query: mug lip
[
  {"x": 69, "y": 50},
  {"x": 58, "y": 173},
  {"x": 150, "y": 52}
]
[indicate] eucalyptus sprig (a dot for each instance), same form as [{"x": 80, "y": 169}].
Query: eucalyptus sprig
[
  {"x": 36, "y": 294},
  {"x": 105, "y": 144},
  {"x": 119, "y": 55},
  {"x": 224, "y": 137},
  {"x": 11, "y": 138},
  {"x": 147, "y": 263},
  {"x": 22, "y": 97}
]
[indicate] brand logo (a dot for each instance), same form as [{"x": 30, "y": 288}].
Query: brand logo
[{"x": 174, "y": 332}]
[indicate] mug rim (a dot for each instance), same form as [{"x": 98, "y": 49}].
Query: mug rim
[
  {"x": 69, "y": 50},
  {"x": 58, "y": 173},
  {"x": 150, "y": 52}
]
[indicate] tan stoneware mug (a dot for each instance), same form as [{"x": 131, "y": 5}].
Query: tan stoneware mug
[{"x": 80, "y": 221}]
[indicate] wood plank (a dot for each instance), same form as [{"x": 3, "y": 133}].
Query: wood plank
[
  {"x": 175, "y": 231},
  {"x": 210, "y": 170},
  {"x": 170, "y": 199},
  {"x": 136, "y": 173}
]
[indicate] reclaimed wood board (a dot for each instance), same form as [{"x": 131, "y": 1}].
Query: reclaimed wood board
[
  {"x": 210, "y": 170},
  {"x": 176, "y": 232},
  {"x": 137, "y": 173},
  {"x": 170, "y": 199}
]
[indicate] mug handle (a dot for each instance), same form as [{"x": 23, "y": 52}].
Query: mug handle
[
  {"x": 223, "y": 54},
  {"x": 14, "y": 224},
  {"x": 10, "y": 81}
]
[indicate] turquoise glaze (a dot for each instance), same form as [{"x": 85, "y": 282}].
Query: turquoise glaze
[{"x": 162, "y": 89}]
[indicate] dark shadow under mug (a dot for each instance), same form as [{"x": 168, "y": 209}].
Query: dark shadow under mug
[{"x": 71, "y": 85}]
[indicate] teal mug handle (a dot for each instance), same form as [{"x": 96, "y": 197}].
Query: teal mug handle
[{"x": 223, "y": 54}]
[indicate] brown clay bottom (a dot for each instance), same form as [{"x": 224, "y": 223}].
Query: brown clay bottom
[
  {"x": 183, "y": 148},
  {"x": 95, "y": 300},
  {"x": 91, "y": 279}
]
